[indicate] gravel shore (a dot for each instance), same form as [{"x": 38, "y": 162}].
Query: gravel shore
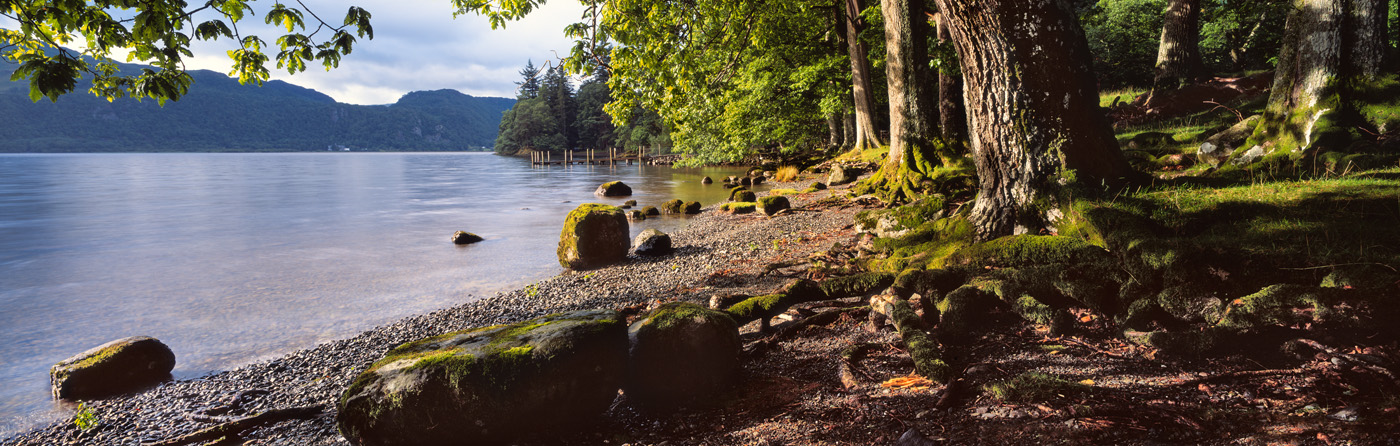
[{"x": 716, "y": 253}]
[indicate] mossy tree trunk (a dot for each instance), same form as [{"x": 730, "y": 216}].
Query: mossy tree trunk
[
  {"x": 1179, "y": 53},
  {"x": 952, "y": 116},
  {"x": 914, "y": 137},
  {"x": 1326, "y": 44},
  {"x": 866, "y": 135},
  {"x": 1033, "y": 111}
]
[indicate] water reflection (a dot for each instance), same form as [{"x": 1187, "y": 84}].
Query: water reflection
[{"x": 231, "y": 258}]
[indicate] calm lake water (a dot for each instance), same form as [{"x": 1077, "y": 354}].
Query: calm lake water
[{"x": 234, "y": 258}]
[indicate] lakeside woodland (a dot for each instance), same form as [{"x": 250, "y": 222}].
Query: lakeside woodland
[{"x": 1055, "y": 237}]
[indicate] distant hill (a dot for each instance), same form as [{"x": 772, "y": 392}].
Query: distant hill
[{"x": 219, "y": 114}]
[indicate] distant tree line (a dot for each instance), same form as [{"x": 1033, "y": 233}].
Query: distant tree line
[{"x": 551, "y": 115}]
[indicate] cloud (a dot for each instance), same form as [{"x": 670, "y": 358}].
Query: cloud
[{"x": 417, "y": 46}]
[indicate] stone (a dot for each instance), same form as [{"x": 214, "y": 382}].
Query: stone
[
  {"x": 707, "y": 180},
  {"x": 652, "y": 242},
  {"x": 1227, "y": 140},
  {"x": 1249, "y": 156},
  {"x": 773, "y": 204},
  {"x": 650, "y": 210},
  {"x": 629, "y": 203},
  {"x": 490, "y": 385},
  {"x": 614, "y": 189},
  {"x": 465, "y": 238},
  {"x": 840, "y": 175},
  {"x": 681, "y": 354},
  {"x": 742, "y": 195},
  {"x": 594, "y": 235},
  {"x": 756, "y": 180},
  {"x": 746, "y": 181},
  {"x": 818, "y": 185},
  {"x": 673, "y": 206},
  {"x": 122, "y": 366},
  {"x": 636, "y": 215},
  {"x": 692, "y": 207}
]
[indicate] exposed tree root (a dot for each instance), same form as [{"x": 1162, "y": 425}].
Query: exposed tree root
[
  {"x": 1352, "y": 360},
  {"x": 238, "y": 425},
  {"x": 1242, "y": 374},
  {"x": 850, "y": 362},
  {"x": 922, "y": 347},
  {"x": 818, "y": 319}
]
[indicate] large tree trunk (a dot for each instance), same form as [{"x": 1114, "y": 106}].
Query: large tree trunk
[
  {"x": 866, "y": 134},
  {"x": 1033, "y": 110},
  {"x": 1179, "y": 53},
  {"x": 914, "y": 144},
  {"x": 952, "y": 116},
  {"x": 1326, "y": 45}
]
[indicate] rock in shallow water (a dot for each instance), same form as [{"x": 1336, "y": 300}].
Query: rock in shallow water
[
  {"x": 121, "y": 366},
  {"x": 465, "y": 238},
  {"x": 594, "y": 235},
  {"x": 490, "y": 385}
]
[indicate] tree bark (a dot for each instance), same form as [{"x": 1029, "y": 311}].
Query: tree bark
[
  {"x": 834, "y": 132},
  {"x": 1328, "y": 47},
  {"x": 866, "y": 134},
  {"x": 849, "y": 128},
  {"x": 913, "y": 112},
  {"x": 1033, "y": 110},
  {"x": 1179, "y": 53},
  {"x": 952, "y": 116}
]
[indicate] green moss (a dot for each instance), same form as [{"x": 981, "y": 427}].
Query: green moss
[
  {"x": 964, "y": 309},
  {"x": 817, "y": 186},
  {"x": 1034, "y": 388},
  {"x": 674, "y": 206},
  {"x": 673, "y": 313},
  {"x": 569, "y": 240},
  {"x": 735, "y": 190},
  {"x": 924, "y": 349},
  {"x": 1017, "y": 250},
  {"x": 781, "y": 192},
  {"x": 1278, "y": 305},
  {"x": 739, "y": 207},
  {"x": 650, "y": 210},
  {"x": 100, "y": 356},
  {"x": 743, "y": 196},
  {"x": 758, "y": 307},
  {"x": 856, "y": 285},
  {"x": 928, "y": 282},
  {"x": 771, "y": 205}
]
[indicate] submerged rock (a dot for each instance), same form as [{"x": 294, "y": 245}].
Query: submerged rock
[
  {"x": 650, "y": 210},
  {"x": 652, "y": 242},
  {"x": 490, "y": 385},
  {"x": 681, "y": 354},
  {"x": 121, "y": 366},
  {"x": 636, "y": 215},
  {"x": 614, "y": 189},
  {"x": 707, "y": 180},
  {"x": 594, "y": 235},
  {"x": 465, "y": 238}
]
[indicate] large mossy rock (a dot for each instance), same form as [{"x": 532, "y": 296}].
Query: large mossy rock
[
  {"x": 614, "y": 189},
  {"x": 692, "y": 207},
  {"x": 772, "y": 205},
  {"x": 681, "y": 354},
  {"x": 121, "y": 366},
  {"x": 743, "y": 196},
  {"x": 490, "y": 385},
  {"x": 841, "y": 175},
  {"x": 675, "y": 206},
  {"x": 899, "y": 221},
  {"x": 594, "y": 235},
  {"x": 652, "y": 242}
]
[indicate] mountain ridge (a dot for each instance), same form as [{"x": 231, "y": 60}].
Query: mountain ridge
[{"x": 219, "y": 114}]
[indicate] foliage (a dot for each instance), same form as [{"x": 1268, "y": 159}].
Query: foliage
[
  {"x": 1123, "y": 35},
  {"x": 159, "y": 33},
  {"x": 85, "y": 418}
]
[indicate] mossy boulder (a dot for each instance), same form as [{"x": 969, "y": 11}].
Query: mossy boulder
[
  {"x": 738, "y": 207},
  {"x": 651, "y": 210},
  {"x": 614, "y": 189},
  {"x": 465, "y": 238},
  {"x": 636, "y": 215},
  {"x": 673, "y": 206},
  {"x": 817, "y": 186},
  {"x": 1026, "y": 249},
  {"x": 594, "y": 235},
  {"x": 743, "y": 196},
  {"x": 121, "y": 366},
  {"x": 841, "y": 175},
  {"x": 692, "y": 207},
  {"x": 772, "y": 205},
  {"x": 682, "y": 354},
  {"x": 489, "y": 385},
  {"x": 899, "y": 221},
  {"x": 629, "y": 203},
  {"x": 652, "y": 242}
]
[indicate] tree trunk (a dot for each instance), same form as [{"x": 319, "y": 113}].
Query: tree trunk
[
  {"x": 1368, "y": 34},
  {"x": 951, "y": 114},
  {"x": 1328, "y": 46},
  {"x": 914, "y": 140},
  {"x": 1179, "y": 53},
  {"x": 849, "y": 128},
  {"x": 866, "y": 134},
  {"x": 834, "y": 132},
  {"x": 1033, "y": 110}
]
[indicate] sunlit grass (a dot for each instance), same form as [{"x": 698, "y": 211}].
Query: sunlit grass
[{"x": 1125, "y": 94}]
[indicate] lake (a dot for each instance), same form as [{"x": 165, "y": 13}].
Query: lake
[{"x": 235, "y": 258}]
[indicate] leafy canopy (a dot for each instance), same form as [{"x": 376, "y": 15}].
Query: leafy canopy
[{"x": 159, "y": 33}]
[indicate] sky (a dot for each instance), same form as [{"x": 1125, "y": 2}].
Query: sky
[{"x": 417, "y": 46}]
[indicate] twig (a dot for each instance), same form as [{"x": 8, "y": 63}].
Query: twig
[
  {"x": 1237, "y": 113},
  {"x": 1353, "y": 359},
  {"x": 1083, "y": 344},
  {"x": 233, "y": 427},
  {"x": 821, "y": 318}
]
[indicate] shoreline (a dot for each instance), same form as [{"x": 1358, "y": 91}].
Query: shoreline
[{"x": 709, "y": 250}]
